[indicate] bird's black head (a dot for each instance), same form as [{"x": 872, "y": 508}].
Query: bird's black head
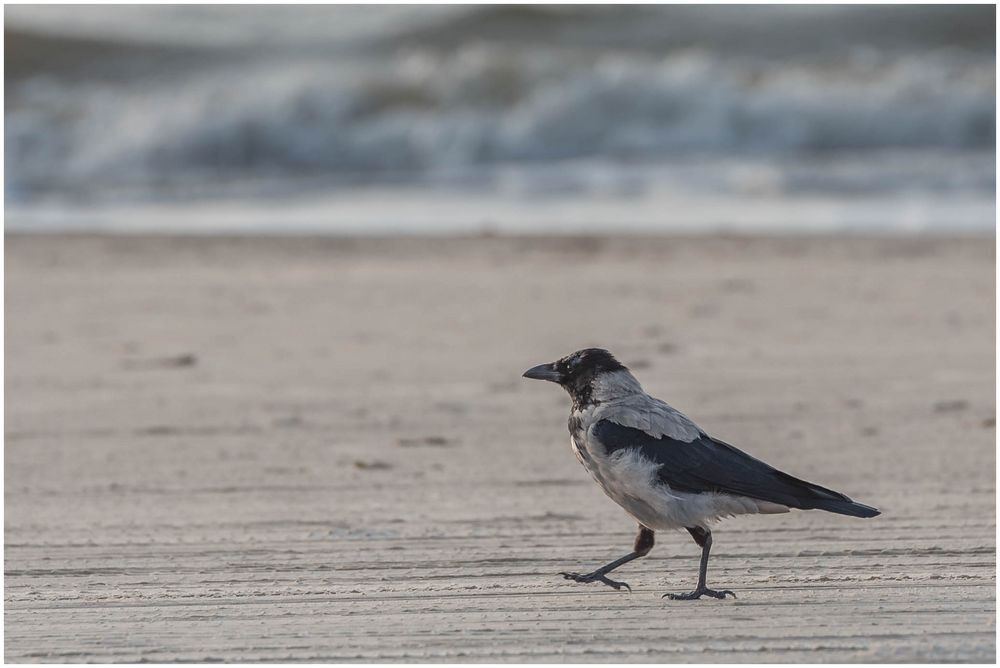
[{"x": 577, "y": 371}]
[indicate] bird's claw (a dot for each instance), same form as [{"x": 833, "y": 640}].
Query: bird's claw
[
  {"x": 698, "y": 593},
  {"x": 596, "y": 577}
]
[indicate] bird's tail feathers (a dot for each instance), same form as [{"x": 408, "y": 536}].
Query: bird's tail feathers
[
  {"x": 845, "y": 507},
  {"x": 817, "y": 497}
]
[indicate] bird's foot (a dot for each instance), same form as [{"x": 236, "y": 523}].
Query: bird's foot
[
  {"x": 596, "y": 577},
  {"x": 698, "y": 593}
]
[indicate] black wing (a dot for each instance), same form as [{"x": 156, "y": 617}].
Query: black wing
[{"x": 708, "y": 465}]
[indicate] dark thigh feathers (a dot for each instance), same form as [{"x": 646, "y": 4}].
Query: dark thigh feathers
[{"x": 708, "y": 465}]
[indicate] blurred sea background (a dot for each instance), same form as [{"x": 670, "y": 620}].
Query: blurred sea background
[{"x": 472, "y": 119}]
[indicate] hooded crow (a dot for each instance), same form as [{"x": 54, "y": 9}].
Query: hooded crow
[{"x": 664, "y": 470}]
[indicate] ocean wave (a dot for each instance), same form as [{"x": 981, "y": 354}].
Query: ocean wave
[{"x": 419, "y": 111}]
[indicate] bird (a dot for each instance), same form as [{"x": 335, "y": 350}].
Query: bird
[{"x": 663, "y": 469}]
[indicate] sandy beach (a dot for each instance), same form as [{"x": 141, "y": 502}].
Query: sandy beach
[{"x": 321, "y": 449}]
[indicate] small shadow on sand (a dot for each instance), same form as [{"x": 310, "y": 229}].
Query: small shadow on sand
[
  {"x": 374, "y": 465},
  {"x": 182, "y": 361},
  {"x": 953, "y": 406},
  {"x": 427, "y": 441}
]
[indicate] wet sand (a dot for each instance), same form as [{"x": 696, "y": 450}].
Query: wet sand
[{"x": 316, "y": 449}]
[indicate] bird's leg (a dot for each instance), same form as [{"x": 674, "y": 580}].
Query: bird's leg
[
  {"x": 643, "y": 544},
  {"x": 704, "y": 539}
]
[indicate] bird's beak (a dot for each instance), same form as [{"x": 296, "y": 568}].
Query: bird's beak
[{"x": 543, "y": 372}]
